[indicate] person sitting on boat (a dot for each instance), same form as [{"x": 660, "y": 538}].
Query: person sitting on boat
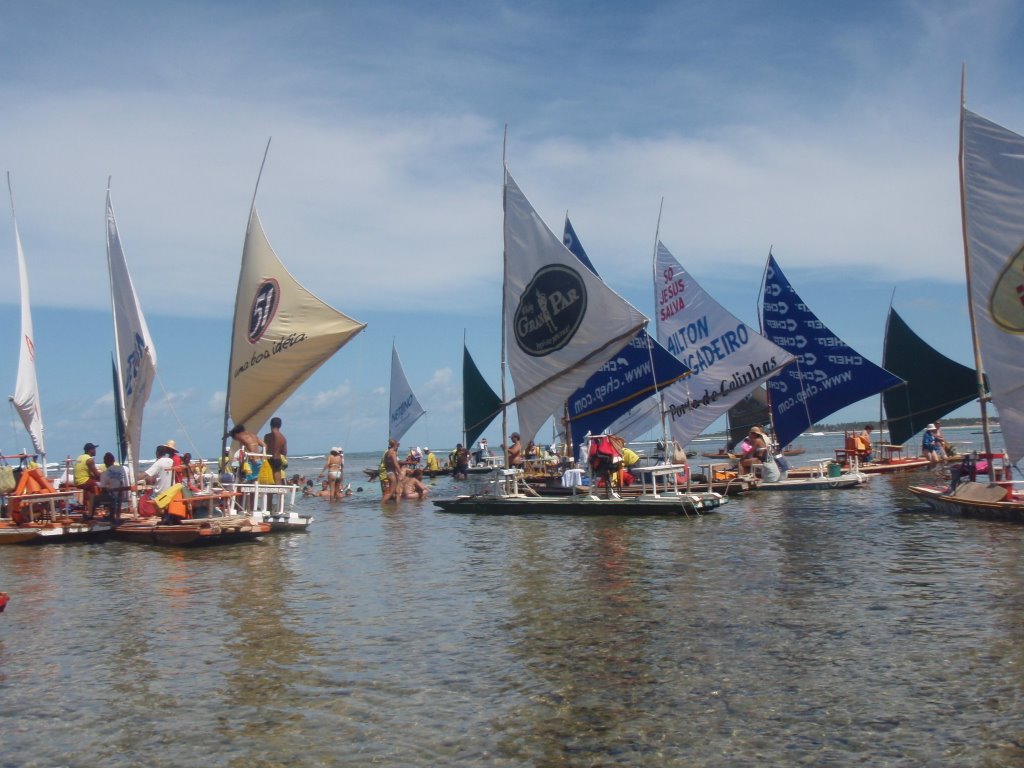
[
  {"x": 87, "y": 476},
  {"x": 161, "y": 472},
  {"x": 866, "y": 451},
  {"x": 758, "y": 451},
  {"x": 482, "y": 452},
  {"x": 113, "y": 484},
  {"x": 945, "y": 449},
  {"x": 931, "y": 447}
]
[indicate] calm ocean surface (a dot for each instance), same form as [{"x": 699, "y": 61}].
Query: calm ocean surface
[{"x": 814, "y": 628}]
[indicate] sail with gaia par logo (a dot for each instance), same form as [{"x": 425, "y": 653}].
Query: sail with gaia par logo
[
  {"x": 282, "y": 333},
  {"x": 557, "y": 314}
]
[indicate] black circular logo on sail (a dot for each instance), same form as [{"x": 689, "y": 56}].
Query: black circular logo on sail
[
  {"x": 550, "y": 310},
  {"x": 264, "y": 307}
]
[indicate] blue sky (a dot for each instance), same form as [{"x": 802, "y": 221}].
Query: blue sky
[{"x": 825, "y": 131}]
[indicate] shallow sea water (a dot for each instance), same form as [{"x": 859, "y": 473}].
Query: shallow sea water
[{"x": 821, "y": 628}]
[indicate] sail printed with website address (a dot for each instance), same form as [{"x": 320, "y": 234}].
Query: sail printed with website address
[{"x": 828, "y": 373}]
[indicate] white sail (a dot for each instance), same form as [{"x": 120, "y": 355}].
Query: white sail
[
  {"x": 993, "y": 173},
  {"x": 728, "y": 358},
  {"x": 405, "y": 408},
  {"x": 282, "y": 333},
  {"x": 561, "y": 321},
  {"x": 26, "y": 388},
  {"x": 134, "y": 352}
]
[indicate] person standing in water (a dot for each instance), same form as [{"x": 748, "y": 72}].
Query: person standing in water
[{"x": 277, "y": 446}]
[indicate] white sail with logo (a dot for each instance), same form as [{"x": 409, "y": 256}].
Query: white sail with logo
[
  {"x": 282, "y": 333},
  {"x": 728, "y": 358},
  {"x": 561, "y": 321},
  {"x": 993, "y": 201},
  {"x": 134, "y": 354},
  {"x": 26, "y": 388},
  {"x": 405, "y": 408}
]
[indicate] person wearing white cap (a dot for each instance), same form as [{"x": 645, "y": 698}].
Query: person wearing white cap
[
  {"x": 431, "y": 460},
  {"x": 930, "y": 446},
  {"x": 334, "y": 467}
]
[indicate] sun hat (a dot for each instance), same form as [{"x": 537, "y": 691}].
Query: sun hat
[
  {"x": 757, "y": 431},
  {"x": 929, "y": 428}
]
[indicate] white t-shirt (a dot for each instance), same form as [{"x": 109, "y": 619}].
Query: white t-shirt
[{"x": 161, "y": 469}]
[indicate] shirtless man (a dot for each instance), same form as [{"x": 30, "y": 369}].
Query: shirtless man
[
  {"x": 250, "y": 444},
  {"x": 277, "y": 446}
]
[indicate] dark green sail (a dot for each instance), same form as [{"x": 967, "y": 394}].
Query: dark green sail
[
  {"x": 935, "y": 385},
  {"x": 480, "y": 404}
]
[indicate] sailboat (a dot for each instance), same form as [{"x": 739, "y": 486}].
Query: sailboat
[
  {"x": 281, "y": 335},
  {"x": 37, "y": 511},
  {"x": 828, "y": 374},
  {"x": 560, "y": 323},
  {"x": 480, "y": 406},
  {"x": 405, "y": 409},
  {"x": 933, "y": 385},
  {"x": 207, "y": 514},
  {"x": 992, "y": 206}
]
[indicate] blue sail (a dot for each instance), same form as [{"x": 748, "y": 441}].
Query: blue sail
[
  {"x": 634, "y": 374},
  {"x": 828, "y": 373},
  {"x": 573, "y": 244}
]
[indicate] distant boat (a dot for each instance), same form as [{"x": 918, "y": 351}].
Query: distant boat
[{"x": 992, "y": 200}]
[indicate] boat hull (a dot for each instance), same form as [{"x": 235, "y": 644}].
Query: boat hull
[
  {"x": 192, "y": 533},
  {"x": 54, "y": 533},
  {"x": 684, "y": 504},
  {"x": 961, "y": 506},
  {"x": 846, "y": 480}
]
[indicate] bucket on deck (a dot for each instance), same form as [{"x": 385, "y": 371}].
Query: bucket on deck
[{"x": 834, "y": 470}]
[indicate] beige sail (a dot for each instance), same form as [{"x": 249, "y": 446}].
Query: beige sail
[{"x": 282, "y": 333}]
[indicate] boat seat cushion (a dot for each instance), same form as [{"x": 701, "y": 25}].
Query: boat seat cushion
[{"x": 980, "y": 492}]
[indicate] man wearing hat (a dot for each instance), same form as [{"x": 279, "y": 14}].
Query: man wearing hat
[
  {"x": 161, "y": 472},
  {"x": 931, "y": 446},
  {"x": 431, "y": 462},
  {"x": 87, "y": 476}
]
